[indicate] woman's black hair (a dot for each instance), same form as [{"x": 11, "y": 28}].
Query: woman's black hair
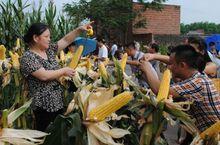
[
  {"x": 34, "y": 29},
  {"x": 187, "y": 54}
]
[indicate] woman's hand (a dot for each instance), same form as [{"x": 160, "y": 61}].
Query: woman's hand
[
  {"x": 70, "y": 37},
  {"x": 67, "y": 71},
  {"x": 85, "y": 27}
]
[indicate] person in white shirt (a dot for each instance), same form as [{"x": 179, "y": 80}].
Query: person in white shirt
[
  {"x": 114, "y": 48},
  {"x": 103, "y": 51}
]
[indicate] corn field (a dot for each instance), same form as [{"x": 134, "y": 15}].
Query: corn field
[{"x": 106, "y": 108}]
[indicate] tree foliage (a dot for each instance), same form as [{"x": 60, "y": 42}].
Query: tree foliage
[
  {"x": 109, "y": 15},
  {"x": 16, "y": 16},
  {"x": 209, "y": 28}
]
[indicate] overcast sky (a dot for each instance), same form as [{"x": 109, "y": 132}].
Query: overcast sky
[
  {"x": 198, "y": 10},
  {"x": 191, "y": 10}
]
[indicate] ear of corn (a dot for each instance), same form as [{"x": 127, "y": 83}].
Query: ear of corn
[
  {"x": 2, "y": 52},
  {"x": 146, "y": 134},
  {"x": 164, "y": 86},
  {"x": 90, "y": 32},
  {"x": 89, "y": 64},
  {"x": 123, "y": 61},
  {"x": 81, "y": 64},
  {"x": 214, "y": 129},
  {"x": 106, "y": 61},
  {"x": 216, "y": 82},
  {"x": 14, "y": 59},
  {"x": 103, "y": 71},
  {"x": 62, "y": 56},
  {"x": 76, "y": 57},
  {"x": 101, "y": 112},
  {"x": 18, "y": 44}
]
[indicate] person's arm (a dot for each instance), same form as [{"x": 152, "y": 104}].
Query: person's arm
[
  {"x": 69, "y": 38},
  {"x": 155, "y": 56},
  {"x": 153, "y": 80},
  {"x": 151, "y": 76},
  {"x": 101, "y": 58},
  {"x": 133, "y": 62},
  {"x": 47, "y": 75}
]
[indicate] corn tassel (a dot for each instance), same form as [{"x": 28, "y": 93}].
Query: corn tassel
[
  {"x": 15, "y": 60},
  {"x": 214, "y": 129},
  {"x": 123, "y": 61},
  {"x": 76, "y": 57},
  {"x": 101, "y": 112},
  {"x": 164, "y": 86},
  {"x": 103, "y": 71},
  {"x": 2, "y": 52}
]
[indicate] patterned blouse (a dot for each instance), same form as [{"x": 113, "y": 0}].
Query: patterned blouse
[
  {"x": 206, "y": 100},
  {"x": 47, "y": 95}
]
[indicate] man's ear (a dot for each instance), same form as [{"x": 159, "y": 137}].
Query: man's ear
[{"x": 183, "y": 65}]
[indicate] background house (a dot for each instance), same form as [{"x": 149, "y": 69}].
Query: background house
[{"x": 161, "y": 25}]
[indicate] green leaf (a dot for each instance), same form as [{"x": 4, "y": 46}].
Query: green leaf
[
  {"x": 16, "y": 113},
  {"x": 65, "y": 130}
]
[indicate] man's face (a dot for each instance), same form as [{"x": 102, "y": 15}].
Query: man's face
[
  {"x": 151, "y": 50},
  {"x": 130, "y": 51},
  {"x": 175, "y": 67},
  {"x": 99, "y": 44}
]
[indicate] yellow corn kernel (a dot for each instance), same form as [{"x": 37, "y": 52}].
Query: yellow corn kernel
[
  {"x": 164, "y": 86},
  {"x": 103, "y": 71},
  {"x": 123, "y": 61},
  {"x": 101, "y": 112},
  {"x": 76, "y": 57},
  {"x": 62, "y": 56},
  {"x": 2, "y": 52},
  {"x": 214, "y": 129},
  {"x": 18, "y": 44},
  {"x": 14, "y": 59}
]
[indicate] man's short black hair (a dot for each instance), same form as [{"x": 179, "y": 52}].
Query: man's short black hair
[
  {"x": 130, "y": 45},
  {"x": 187, "y": 54},
  {"x": 100, "y": 39},
  {"x": 211, "y": 43},
  {"x": 155, "y": 46}
]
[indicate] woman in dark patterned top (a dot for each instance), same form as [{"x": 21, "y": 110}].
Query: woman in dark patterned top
[{"x": 41, "y": 70}]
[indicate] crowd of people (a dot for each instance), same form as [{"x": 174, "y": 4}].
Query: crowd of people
[{"x": 191, "y": 63}]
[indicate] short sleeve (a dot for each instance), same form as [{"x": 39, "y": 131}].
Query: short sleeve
[
  {"x": 191, "y": 88},
  {"x": 29, "y": 64},
  {"x": 141, "y": 54}
]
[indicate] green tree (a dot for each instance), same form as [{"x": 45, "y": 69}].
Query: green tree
[
  {"x": 109, "y": 15},
  {"x": 209, "y": 28}
]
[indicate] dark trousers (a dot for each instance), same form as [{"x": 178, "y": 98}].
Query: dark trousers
[{"x": 43, "y": 118}]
